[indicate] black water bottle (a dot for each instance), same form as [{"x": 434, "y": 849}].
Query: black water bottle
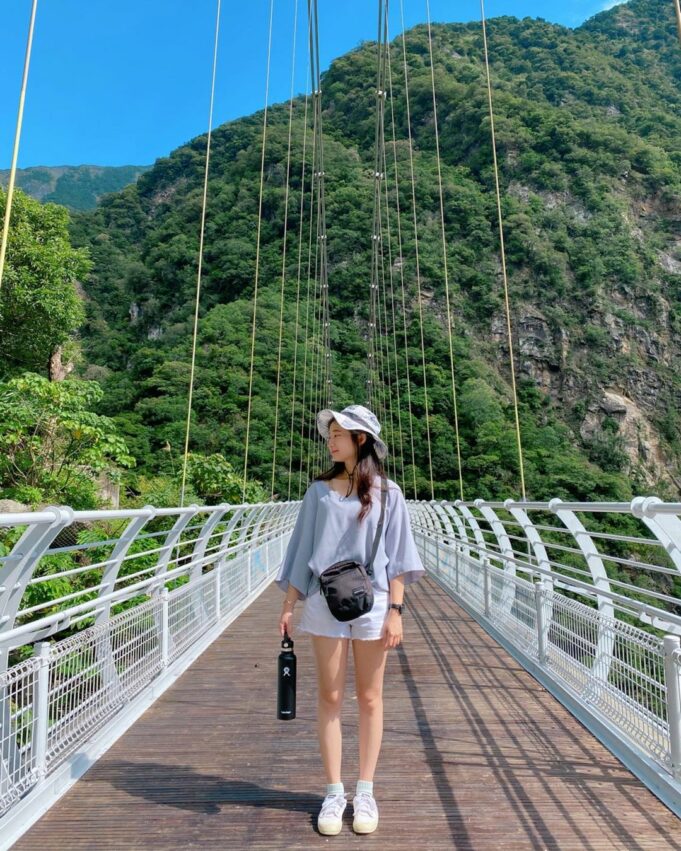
[{"x": 286, "y": 692}]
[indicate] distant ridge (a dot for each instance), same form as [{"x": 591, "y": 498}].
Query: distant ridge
[{"x": 77, "y": 187}]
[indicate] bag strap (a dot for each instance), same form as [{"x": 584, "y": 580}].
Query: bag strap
[{"x": 377, "y": 536}]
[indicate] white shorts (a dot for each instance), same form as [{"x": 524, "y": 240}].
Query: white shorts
[{"x": 318, "y": 620}]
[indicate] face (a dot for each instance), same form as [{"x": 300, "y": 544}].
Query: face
[{"x": 341, "y": 445}]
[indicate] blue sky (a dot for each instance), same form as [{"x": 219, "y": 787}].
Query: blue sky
[{"x": 126, "y": 82}]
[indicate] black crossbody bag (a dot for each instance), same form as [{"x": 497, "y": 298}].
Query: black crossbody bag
[{"x": 347, "y": 584}]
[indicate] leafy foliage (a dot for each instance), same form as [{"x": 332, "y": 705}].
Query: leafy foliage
[
  {"x": 40, "y": 309},
  {"x": 52, "y": 444}
]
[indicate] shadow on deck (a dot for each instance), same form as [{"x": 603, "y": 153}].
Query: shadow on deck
[{"x": 476, "y": 755}]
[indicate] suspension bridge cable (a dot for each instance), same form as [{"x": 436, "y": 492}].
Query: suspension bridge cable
[
  {"x": 312, "y": 445},
  {"x": 322, "y": 392},
  {"x": 257, "y": 249},
  {"x": 503, "y": 251},
  {"x": 374, "y": 355},
  {"x": 283, "y": 252},
  {"x": 316, "y": 353},
  {"x": 303, "y": 417},
  {"x": 416, "y": 246},
  {"x": 202, "y": 231},
  {"x": 384, "y": 360},
  {"x": 371, "y": 355},
  {"x": 313, "y": 186},
  {"x": 677, "y": 10},
  {"x": 401, "y": 270},
  {"x": 17, "y": 137},
  {"x": 393, "y": 334},
  {"x": 314, "y": 342},
  {"x": 298, "y": 276},
  {"x": 444, "y": 249}
]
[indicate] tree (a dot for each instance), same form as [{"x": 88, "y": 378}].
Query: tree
[
  {"x": 40, "y": 308},
  {"x": 52, "y": 445}
]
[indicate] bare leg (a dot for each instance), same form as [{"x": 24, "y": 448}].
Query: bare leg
[
  {"x": 370, "y": 658},
  {"x": 331, "y": 655}
]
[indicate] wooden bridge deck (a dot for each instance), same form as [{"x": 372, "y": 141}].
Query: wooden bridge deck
[{"x": 476, "y": 755}]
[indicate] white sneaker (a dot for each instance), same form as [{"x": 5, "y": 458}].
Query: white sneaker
[
  {"x": 330, "y": 818},
  {"x": 365, "y": 813}
]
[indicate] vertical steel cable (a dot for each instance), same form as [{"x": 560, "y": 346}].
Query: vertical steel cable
[
  {"x": 383, "y": 331},
  {"x": 384, "y": 360},
  {"x": 503, "y": 253},
  {"x": 313, "y": 278},
  {"x": 314, "y": 185},
  {"x": 376, "y": 353},
  {"x": 283, "y": 253},
  {"x": 202, "y": 231},
  {"x": 393, "y": 332},
  {"x": 416, "y": 248},
  {"x": 384, "y": 348},
  {"x": 257, "y": 251},
  {"x": 372, "y": 353},
  {"x": 17, "y": 138},
  {"x": 401, "y": 269},
  {"x": 677, "y": 10},
  {"x": 304, "y": 412},
  {"x": 317, "y": 352},
  {"x": 322, "y": 389},
  {"x": 297, "y": 327},
  {"x": 444, "y": 250}
]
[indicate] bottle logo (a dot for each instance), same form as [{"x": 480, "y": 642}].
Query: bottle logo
[{"x": 287, "y": 672}]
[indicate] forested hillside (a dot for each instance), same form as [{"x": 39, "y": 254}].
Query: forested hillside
[
  {"x": 589, "y": 144},
  {"x": 78, "y": 187}
]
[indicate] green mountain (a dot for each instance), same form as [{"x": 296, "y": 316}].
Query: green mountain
[
  {"x": 589, "y": 144},
  {"x": 77, "y": 187}
]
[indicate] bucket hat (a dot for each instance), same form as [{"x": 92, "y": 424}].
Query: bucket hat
[{"x": 353, "y": 418}]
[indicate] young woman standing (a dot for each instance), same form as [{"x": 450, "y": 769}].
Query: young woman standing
[{"x": 339, "y": 515}]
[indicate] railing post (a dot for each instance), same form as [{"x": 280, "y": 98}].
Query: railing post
[
  {"x": 248, "y": 578},
  {"x": 217, "y": 571},
  {"x": 486, "y": 577},
  {"x": 456, "y": 567},
  {"x": 41, "y": 708},
  {"x": 541, "y": 635},
  {"x": 672, "y": 670},
  {"x": 164, "y": 627},
  {"x": 437, "y": 556}
]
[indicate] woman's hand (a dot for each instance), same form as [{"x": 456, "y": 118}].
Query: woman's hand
[
  {"x": 286, "y": 621},
  {"x": 392, "y": 630}
]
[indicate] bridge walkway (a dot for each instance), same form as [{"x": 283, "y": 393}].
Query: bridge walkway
[{"x": 476, "y": 755}]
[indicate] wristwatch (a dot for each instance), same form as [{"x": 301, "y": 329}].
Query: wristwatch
[{"x": 398, "y": 606}]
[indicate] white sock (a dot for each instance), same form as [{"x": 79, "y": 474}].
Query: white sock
[
  {"x": 365, "y": 786},
  {"x": 335, "y": 789}
]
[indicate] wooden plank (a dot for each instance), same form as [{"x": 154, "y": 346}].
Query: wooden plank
[{"x": 475, "y": 755}]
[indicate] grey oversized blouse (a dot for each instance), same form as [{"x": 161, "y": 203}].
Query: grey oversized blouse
[{"x": 327, "y": 530}]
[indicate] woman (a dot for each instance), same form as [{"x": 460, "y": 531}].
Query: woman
[{"x": 338, "y": 517}]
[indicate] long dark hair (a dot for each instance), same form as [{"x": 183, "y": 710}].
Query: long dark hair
[{"x": 368, "y": 467}]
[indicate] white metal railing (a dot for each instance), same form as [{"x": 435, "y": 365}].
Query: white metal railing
[
  {"x": 555, "y": 594},
  {"x": 174, "y": 584},
  {"x": 585, "y": 594}
]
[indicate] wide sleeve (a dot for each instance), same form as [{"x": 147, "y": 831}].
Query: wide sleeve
[
  {"x": 400, "y": 547},
  {"x": 295, "y": 569}
]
